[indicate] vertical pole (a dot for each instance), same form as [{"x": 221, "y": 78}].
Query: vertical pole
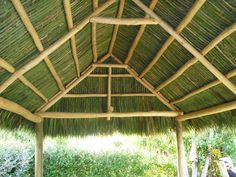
[
  {"x": 182, "y": 163},
  {"x": 39, "y": 150},
  {"x": 109, "y": 108}
]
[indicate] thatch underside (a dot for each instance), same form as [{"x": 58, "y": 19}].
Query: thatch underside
[{"x": 17, "y": 48}]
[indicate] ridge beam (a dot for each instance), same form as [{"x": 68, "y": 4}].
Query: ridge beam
[
  {"x": 189, "y": 47},
  {"x": 208, "y": 111}
]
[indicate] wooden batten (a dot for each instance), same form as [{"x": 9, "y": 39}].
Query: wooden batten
[
  {"x": 70, "y": 25},
  {"x": 64, "y": 115},
  {"x": 109, "y": 107},
  {"x": 189, "y": 47},
  {"x": 53, "y": 47},
  {"x": 17, "y": 109},
  {"x": 116, "y": 28},
  {"x": 124, "y": 21},
  {"x": 112, "y": 95},
  {"x": 204, "y": 88},
  {"x": 110, "y": 65},
  {"x": 113, "y": 75},
  {"x": 25, "y": 19},
  {"x": 228, "y": 31},
  {"x": 139, "y": 35},
  {"x": 208, "y": 111},
  {"x": 192, "y": 12}
]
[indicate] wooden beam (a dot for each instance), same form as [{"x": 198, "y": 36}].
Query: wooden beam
[
  {"x": 116, "y": 28},
  {"x": 64, "y": 115},
  {"x": 151, "y": 89},
  {"x": 110, "y": 65},
  {"x": 204, "y": 88},
  {"x": 123, "y": 21},
  {"x": 207, "y": 49},
  {"x": 25, "y": 81},
  {"x": 104, "y": 58},
  {"x": 113, "y": 75},
  {"x": 70, "y": 25},
  {"x": 109, "y": 107},
  {"x": 94, "y": 35},
  {"x": 189, "y": 47},
  {"x": 39, "y": 150},
  {"x": 112, "y": 95},
  {"x": 17, "y": 109},
  {"x": 70, "y": 86},
  {"x": 116, "y": 59},
  {"x": 53, "y": 47},
  {"x": 182, "y": 162},
  {"x": 192, "y": 12},
  {"x": 208, "y": 111},
  {"x": 25, "y": 19},
  {"x": 139, "y": 35}
]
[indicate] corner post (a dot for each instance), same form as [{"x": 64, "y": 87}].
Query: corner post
[
  {"x": 182, "y": 162},
  {"x": 39, "y": 150}
]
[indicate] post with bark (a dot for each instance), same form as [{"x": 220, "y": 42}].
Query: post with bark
[
  {"x": 39, "y": 150},
  {"x": 182, "y": 162}
]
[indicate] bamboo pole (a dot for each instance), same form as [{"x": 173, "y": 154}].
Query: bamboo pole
[
  {"x": 208, "y": 111},
  {"x": 116, "y": 28},
  {"x": 112, "y": 95},
  {"x": 17, "y": 109},
  {"x": 53, "y": 47},
  {"x": 192, "y": 12},
  {"x": 109, "y": 107},
  {"x": 123, "y": 21},
  {"x": 94, "y": 35},
  {"x": 70, "y": 25},
  {"x": 113, "y": 75},
  {"x": 25, "y": 81},
  {"x": 25, "y": 19},
  {"x": 139, "y": 35},
  {"x": 39, "y": 150},
  {"x": 182, "y": 162},
  {"x": 189, "y": 47},
  {"x": 204, "y": 88},
  {"x": 116, "y": 59},
  {"x": 207, "y": 49},
  {"x": 110, "y": 65},
  {"x": 70, "y": 86},
  {"x": 64, "y": 115},
  {"x": 104, "y": 58}
]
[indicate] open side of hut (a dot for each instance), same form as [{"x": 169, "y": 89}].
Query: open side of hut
[{"x": 84, "y": 67}]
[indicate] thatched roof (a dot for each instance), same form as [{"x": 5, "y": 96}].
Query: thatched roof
[{"x": 45, "y": 68}]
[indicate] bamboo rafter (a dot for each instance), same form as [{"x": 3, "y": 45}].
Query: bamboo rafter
[
  {"x": 116, "y": 28},
  {"x": 208, "y": 111},
  {"x": 204, "y": 88},
  {"x": 192, "y": 12},
  {"x": 64, "y": 115},
  {"x": 189, "y": 47},
  {"x": 228, "y": 31},
  {"x": 53, "y": 47},
  {"x": 139, "y": 35},
  {"x": 70, "y": 25},
  {"x": 25, "y": 81},
  {"x": 123, "y": 21},
  {"x": 25, "y": 19},
  {"x": 94, "y": 36},
  {"x": 17, "y": 109}
]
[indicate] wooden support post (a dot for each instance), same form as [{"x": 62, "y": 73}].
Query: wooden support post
[
  {"x": 109, "y": 107},
  {"x": 94, "y": 34},
  {"x": 182, "y": 163},
  {"x": 39, "y": 150}
]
